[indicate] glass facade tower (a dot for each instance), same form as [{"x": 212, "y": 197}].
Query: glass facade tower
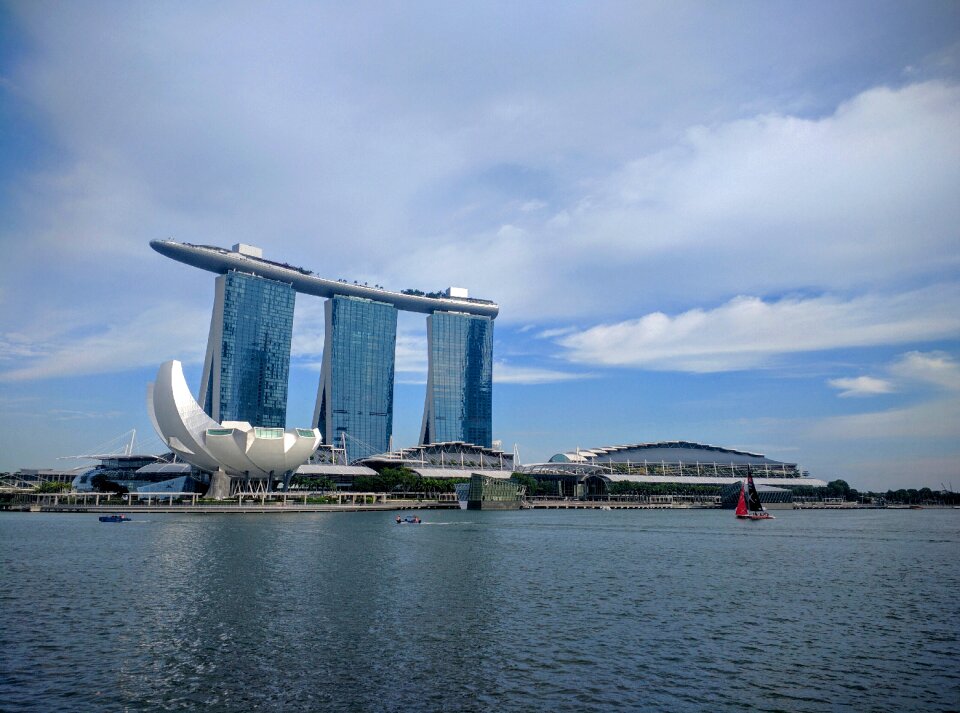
[
  {"x": 459, "y": 400},
  {"x": 355, "y": 398},
  {"x": 247, "y": 364}
]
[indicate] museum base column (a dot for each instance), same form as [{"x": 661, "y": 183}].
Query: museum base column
[{"x": 219, "y": 485}]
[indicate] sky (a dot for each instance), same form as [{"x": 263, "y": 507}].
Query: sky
[{"x": 731, "y": 223}]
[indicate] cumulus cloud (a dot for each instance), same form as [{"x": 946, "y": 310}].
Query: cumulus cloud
[
  {"x": 937, "y": 368},
  {"x": 914, "y": 433},
  {"x": 411, "y": 355},
  {"x": 861, "y": 386},
  {"x": 308, "y": 329},
  {"x": 748, "y": 332},
  {"x": 858, "y": 199}
]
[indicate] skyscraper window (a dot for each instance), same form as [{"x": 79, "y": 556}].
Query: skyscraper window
[
  {"x": 355, "y": 399},
  {"x": 248, "y": 353},
  {"x": 459, "y": 379}
]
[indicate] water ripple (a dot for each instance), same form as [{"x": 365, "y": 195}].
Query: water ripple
[{"x": 678, "y": 611}]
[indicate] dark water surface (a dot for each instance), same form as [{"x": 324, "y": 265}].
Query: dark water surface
[{"x": 482, "y": 611}]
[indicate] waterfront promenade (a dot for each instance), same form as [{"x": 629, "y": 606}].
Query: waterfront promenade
[
  {"x": 246, "y": 503},
  {"x": 312, "y": 502}
]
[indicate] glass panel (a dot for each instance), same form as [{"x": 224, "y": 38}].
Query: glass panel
[
  {"x": 254, "y": 351},
  {"x": 358, "y": 370},
  {"x": 460, "y": 379}
]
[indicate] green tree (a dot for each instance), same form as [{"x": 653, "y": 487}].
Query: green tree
[
  {"x": 51, "y": 487},
  {"x": 533, "y": 486},
  {"x": 304, "y": 482},
  {"x": 838, "y": 489}
]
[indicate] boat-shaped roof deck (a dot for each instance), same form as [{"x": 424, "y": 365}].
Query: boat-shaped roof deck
[{"x": 221, "y": 260}]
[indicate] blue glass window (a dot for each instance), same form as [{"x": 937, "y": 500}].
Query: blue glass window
[
  {"x": 252, "y": 353},
  {"x": 355, "y": 403},
  {"x": 459, "y": 379}
]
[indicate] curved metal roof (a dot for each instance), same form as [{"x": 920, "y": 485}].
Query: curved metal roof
[
  {"x": 221, "y": 260},
  {"x": 462, "y": 473},
  {"x": 662, "y": 450}
]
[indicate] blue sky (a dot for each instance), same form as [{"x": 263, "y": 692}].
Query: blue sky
[{"x": 734, "y": 223}]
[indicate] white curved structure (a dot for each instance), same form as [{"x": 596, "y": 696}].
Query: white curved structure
[
  {"x": 236, "y": 447},
  {"x": 220, "y": 260}
]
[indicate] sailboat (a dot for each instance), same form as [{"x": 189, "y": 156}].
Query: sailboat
[{"x": 749, "y": 506}]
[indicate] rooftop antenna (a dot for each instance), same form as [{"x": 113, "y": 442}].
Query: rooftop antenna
[{"x": 516, "y": 456}]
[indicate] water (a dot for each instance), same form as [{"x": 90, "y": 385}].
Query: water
[{"x": 482, "y": 611}]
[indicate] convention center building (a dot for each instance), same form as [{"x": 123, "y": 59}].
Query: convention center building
[{"x": 587, "y": 472}]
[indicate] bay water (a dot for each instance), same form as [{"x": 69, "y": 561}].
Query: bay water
[{"x": 662, "y": 610}]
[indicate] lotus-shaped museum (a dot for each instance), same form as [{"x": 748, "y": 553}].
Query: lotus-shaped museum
[{"x": 234, "y": 447}]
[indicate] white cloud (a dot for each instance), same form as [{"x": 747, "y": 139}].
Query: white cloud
[
  {"x": 937, "y": 368},
  {"x": 308, "y": 328},
  {"x": 509, "y": 374},
  {"x": 556, "y": 332},
  {"x": 73, "y": 415},
  {"x": 860, "y": 199},
  {"x": 913, "y": 368},
  {"x": 932, "y": 419},
  {"x": 748, "y": 332},
  {"x": 532, "y": 206},
  {"x": 154, "y": 336},
  {"x": 861, "y": 386},
  {"x": 411, "y": 355},
  {"x": 916, "y": 436}
]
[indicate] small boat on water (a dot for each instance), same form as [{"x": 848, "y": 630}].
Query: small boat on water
[
  {"x": 749, "y": 506},
  {"x": 115, "y": 518},
  {"x": 408, "y": 520}
]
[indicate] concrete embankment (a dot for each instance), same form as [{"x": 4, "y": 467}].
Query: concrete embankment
[
  {"x": 254, "y": 508},
  {"x": 73, "y": 503},
  {"x": 613, "y": 505}
]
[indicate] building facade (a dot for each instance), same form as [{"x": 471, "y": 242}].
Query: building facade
[
  {"x": 354, "y": 406},
  {"x": 247, "y": 364},
  {"x": 459, "y": 400},
  {"x": 248, "y": 353}
]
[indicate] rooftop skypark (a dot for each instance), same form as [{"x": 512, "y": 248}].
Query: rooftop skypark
[{"x": 245, "y": 258}]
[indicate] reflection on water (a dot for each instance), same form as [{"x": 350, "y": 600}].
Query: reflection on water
[{"x": 662, "y": 610}]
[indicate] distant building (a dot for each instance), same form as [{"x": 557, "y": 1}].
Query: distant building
[
  {"x": 247, "y": 365},
  {"x": 354, "y": 406},
  {"x": 459, "y": 399},
  {"x": 590, "y": 471},
  {"x": 445, "y": 460},
  {"x": 131, "y": 471}
]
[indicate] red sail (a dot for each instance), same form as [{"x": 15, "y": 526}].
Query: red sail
[{"x": 741, "y": 504}]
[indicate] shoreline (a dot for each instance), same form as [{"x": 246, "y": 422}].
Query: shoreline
[{"x": 264, "y": 508}]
